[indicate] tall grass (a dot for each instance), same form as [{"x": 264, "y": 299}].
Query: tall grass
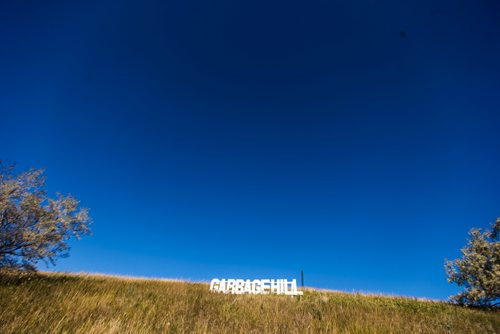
[{"x": 62, "y": 303}]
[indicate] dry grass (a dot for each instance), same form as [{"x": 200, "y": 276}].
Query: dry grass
[{"x": 62, "y": 303}]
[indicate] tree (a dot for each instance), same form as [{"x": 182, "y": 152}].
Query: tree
[
  {"x": 33, "y": 226},
  {"x": 478, "y": 271}
]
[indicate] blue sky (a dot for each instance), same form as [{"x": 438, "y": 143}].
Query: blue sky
[{"x": 256, "y": 139}]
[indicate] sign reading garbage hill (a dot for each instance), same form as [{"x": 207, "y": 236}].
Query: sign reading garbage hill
[{"x": 255, "y": 287}]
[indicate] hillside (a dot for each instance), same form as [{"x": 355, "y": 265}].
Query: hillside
[{"x": 61, "y": 303}]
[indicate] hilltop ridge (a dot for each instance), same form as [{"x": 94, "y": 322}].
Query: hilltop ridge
[{"x": 83, "y": 303}]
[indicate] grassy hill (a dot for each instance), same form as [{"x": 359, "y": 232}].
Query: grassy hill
[{"x": 61, "y": 303}]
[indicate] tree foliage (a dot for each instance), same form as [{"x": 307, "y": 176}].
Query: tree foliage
[
  {"x": 33, "y": 226},
  {"x": 478, "y": 271}
]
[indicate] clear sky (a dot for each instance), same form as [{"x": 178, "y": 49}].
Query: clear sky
[{"x": 356, "y": 140}]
